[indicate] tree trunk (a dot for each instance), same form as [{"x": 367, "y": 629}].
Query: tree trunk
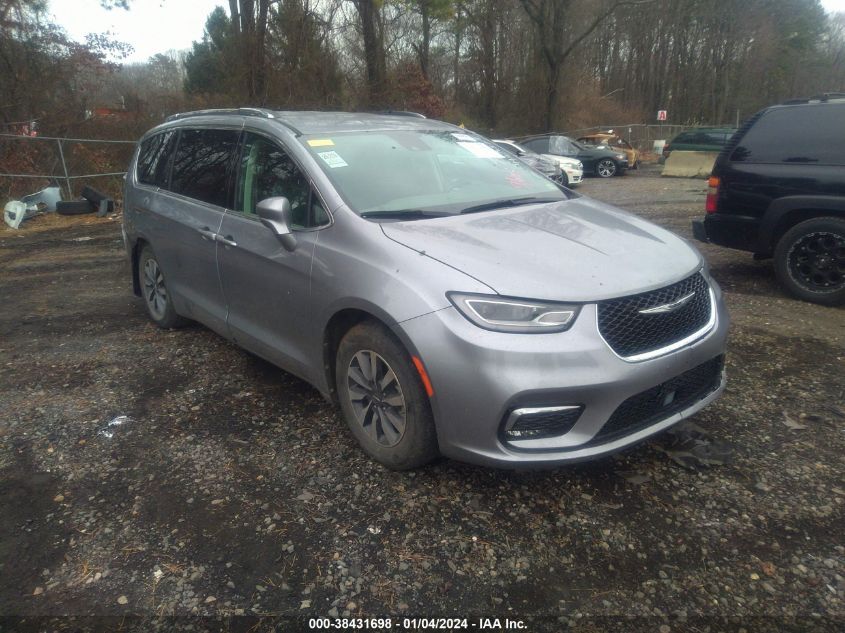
[
  {"x": 457, "y": 59},
  {"x": 259, "y": 57},
  {"x": 425, "y": 45},
  {"x": 236, "y": 17},
  {"x": 373, "y": 52},
  {"x": 552, "y": 95}
]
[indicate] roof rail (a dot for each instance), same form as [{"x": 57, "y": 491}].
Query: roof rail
[
  {"x": 825, "y": 96},
  {"x": 256, "y": 112},
  {"x": 401, "y": 113},
  {"x": 259, "y": 112}
]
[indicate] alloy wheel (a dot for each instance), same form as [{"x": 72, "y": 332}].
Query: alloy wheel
[
  {"x": 376, "y": 396},
  {"x": 155, "y": 292},
  {"x": 606, "y": 168},
  {"x": 817, "y": 261}
]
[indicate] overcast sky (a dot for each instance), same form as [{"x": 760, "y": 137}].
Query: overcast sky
[
  {"x": 150, "y": 26},
  {"x": 156, "y": 26}
]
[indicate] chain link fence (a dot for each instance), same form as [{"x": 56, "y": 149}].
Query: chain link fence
[{"x": 30, "y": 163}]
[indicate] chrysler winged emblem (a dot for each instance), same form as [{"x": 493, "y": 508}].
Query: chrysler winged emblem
[{"x": 670, "y": 307}]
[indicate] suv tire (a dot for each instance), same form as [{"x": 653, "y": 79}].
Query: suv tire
[
  {"x": 810, "y": 260},
  {"x": 606, "y": 168},
  {"x": 388, "y": 413},
  {"x": 154, "y": 291}
]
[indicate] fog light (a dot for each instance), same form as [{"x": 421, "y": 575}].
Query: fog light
[{"x": 531, "y": 423}]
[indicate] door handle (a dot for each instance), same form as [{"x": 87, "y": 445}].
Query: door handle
[
  {"x": 228, "y": 241},
  {"x": 207, "y": 234}
]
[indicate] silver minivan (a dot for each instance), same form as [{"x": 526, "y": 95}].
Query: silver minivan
[{"x": 449, "y": 298}]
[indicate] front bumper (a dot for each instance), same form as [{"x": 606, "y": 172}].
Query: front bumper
[
  {"x": 575, "y": 176},
  {"x": 480, "y": 377}
]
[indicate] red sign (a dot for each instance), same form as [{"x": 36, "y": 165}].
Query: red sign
[{"x": 661, "y": 115}]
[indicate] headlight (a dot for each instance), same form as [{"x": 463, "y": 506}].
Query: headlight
[
  {"x": 620, "y": 156},
  {"x": 579, "y": 165},
  {"x": 500, "y": 314}
]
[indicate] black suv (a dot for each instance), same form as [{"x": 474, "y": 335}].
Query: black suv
[{"x": 778, "y": 190}]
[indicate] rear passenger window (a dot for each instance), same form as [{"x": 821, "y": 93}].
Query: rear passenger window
[
  {"x": 812, "y": 134},
  {"x": 154, "y": 159},
  {"x": 202, "y": 165}
]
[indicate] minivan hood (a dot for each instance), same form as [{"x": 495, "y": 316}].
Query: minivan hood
[{"x": 574, "y": 250}]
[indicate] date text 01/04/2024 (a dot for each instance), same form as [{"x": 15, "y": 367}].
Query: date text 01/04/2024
[{"x": 414, "y": 624}]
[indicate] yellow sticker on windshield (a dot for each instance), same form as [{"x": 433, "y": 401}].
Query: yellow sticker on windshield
[{"x": 321, "y": 142}]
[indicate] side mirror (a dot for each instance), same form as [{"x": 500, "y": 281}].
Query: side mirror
[{"x": 275, "y": 215}]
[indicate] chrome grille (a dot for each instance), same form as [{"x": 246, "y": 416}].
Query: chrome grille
[{"x": 629, "y": 332}]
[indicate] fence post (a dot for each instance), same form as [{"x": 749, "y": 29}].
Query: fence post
[{"x": 64, "y": 169}]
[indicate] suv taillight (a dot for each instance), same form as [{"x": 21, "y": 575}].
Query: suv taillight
[
  {"x": 710, "y": 205},
  {"x": 666, "y": 149}
]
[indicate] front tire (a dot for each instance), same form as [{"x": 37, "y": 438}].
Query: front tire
[
  {"x": 157, "y": 298},
  {"x": 606, "y": 168},
  {"x": 383, "y": 399},
  {"x": 810, "y": 261}
]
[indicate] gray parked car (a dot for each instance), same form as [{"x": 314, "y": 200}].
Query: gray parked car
[{"x": 449, "y": 298}]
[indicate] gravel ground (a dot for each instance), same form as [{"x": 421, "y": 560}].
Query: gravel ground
[{"x": 146, "y": 473}]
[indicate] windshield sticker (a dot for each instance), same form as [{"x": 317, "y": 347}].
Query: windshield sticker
[
  {"x": 464, "y": 137},
  {"x": 321, "y": 142},
  {"x": 480, "y": 150},
  {"x": 332, "y": 159},
  {"x": 516, "y": 180}
]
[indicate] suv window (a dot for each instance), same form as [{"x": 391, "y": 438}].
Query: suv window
[
  {"x": 202, "y": 165},
  {"x": 802, "y": 134},
  {"x": 266, "y": 171},
  {"x": 154, "y": 159}
]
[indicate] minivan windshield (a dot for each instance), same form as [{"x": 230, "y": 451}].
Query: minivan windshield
[{"x": 421, "y": 173}]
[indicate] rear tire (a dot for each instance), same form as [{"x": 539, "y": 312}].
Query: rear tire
[
  {"x": 606, "y": 168},
  {"x": 383, "y": 399},
  {"x": 810, "y": 261},
  {"x": 157, "y": 298}
]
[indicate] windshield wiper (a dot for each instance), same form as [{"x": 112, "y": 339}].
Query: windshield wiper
[
  {"x": 403, "y": 214},
  {"x": 508, "y": 202}
]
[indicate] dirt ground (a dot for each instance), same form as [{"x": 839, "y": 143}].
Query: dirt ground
[{"x": 148, "y": 473}]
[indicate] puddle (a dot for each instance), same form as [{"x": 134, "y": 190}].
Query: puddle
[{"x": 113, "y": 424}]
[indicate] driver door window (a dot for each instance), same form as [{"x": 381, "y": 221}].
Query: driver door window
[{"x": 266, "y": 171}]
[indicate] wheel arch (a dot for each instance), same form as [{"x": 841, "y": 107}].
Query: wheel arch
[
  {"x": 785, "y": 213},
  {"x": 341, "y": 321},
  {"x": 137, "y": 247}
]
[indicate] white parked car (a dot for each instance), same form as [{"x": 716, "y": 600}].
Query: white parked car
[{"x": 572, "y": 167}]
